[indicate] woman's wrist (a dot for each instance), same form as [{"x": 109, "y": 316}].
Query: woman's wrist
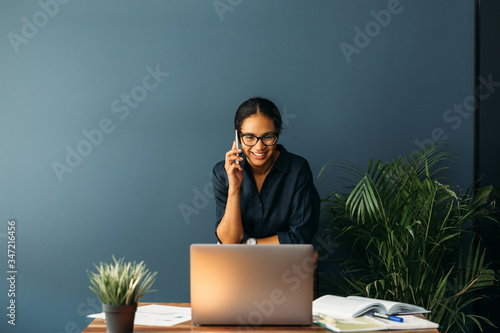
[{"x": 234, "y": 189}]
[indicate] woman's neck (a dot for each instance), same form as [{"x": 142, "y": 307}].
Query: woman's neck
[{"x": 263, "y": 170}]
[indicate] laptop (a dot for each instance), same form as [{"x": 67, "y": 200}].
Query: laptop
[{"x": 251, "y": 285}]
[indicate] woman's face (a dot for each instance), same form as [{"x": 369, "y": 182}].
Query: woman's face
[{"x": 259, "y": 155}]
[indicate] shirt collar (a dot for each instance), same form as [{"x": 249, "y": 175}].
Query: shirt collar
[{"x": 283, "y": 160}]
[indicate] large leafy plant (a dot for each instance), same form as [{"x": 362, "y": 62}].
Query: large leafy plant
[
  {"x": 121, "y": 283},
  {"x": 404, "y": 235}
]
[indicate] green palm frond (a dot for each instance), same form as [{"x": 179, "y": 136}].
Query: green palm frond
[{"x": 401, "y": 229}]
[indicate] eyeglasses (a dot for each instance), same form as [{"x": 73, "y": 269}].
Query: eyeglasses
[{"x": 251, "y": 140}]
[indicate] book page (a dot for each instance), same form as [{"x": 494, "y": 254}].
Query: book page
[
  {"x": 393, "y": 307},
  {"x": 339, "y": 307}
]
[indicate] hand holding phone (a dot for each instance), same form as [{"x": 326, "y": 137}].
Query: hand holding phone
[{"x": 232, "y": 164}]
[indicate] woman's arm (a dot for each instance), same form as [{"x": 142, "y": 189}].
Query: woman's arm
[
  {"x": 269, "y": 240},
  {"x": 230, "y": 228}
]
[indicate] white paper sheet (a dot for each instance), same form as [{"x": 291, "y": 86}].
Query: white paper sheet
[{"x": 157, "y": 315}]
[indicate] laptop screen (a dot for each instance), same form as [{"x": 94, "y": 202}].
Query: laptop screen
[{"x": 253, "y": 285}]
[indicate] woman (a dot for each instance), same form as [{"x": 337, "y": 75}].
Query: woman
[{"x": 265, "y": 195}]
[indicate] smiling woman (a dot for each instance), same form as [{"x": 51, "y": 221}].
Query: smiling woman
[{"x": 269, "y": 196}]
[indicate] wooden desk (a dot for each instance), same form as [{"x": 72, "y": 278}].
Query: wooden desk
[{"x": 99, "y": 326}]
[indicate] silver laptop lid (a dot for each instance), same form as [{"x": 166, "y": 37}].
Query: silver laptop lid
[{"x": 251, "y": 284}]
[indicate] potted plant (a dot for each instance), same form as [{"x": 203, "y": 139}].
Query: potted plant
[
  {"x": 403, "y": 234},
  {"x": 120, "y": 286}
]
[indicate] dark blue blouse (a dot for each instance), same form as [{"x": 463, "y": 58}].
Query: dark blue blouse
[{"x": 288, "y": 204}]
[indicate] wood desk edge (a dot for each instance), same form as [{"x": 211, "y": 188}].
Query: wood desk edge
[{"x": 99, "y": 326}]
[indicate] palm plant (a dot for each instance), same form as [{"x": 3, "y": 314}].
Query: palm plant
[
  {"x": 403, "y": 236},
  {"x": 121, "y": 283}
]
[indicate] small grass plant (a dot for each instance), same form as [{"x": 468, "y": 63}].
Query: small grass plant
[{"x": 121, "y": 283}]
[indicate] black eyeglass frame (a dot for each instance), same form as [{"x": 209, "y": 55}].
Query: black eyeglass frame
[{"x": 240, "y": 135}]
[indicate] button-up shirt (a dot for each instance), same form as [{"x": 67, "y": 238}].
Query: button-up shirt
[{"x": 288, "y": 204}]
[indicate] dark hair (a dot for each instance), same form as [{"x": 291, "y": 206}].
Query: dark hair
[{"x": 258, "y": 105}]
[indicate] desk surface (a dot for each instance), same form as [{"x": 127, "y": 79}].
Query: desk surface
[{"x": 99, "y": 326}]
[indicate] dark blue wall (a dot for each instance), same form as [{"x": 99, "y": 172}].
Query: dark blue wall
[{"x": 353, "y": 79}]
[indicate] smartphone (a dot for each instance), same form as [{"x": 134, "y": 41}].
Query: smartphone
[{"x": 237, "y": 143}]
